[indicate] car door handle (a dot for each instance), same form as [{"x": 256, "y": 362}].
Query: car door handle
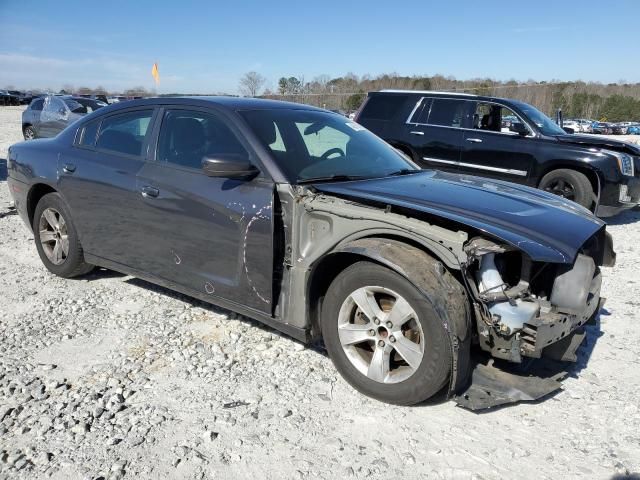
[
  {"x": 416, "y": 132},
  {"x": 69, "y": 168},
  {"x": 474, "y": 140},
  {"x": 149, "y": 192}
]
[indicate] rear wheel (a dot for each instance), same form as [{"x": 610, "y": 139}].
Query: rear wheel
[
  {"x": 29, "y": 132},
  {"x": 57, "y": 239},
  {"x": 569, "y": 184},
  {"x": 384, "y": 336}
]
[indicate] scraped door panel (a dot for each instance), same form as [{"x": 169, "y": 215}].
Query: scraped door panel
[{"x": 213, "y": 235}]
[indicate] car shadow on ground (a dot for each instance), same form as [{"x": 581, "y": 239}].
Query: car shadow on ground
[
  {"x": 624, "y": 218},
  {"x": 3, "y": 169}
]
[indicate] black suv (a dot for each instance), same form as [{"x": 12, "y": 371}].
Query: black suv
[{"x": 508, "y": 140}]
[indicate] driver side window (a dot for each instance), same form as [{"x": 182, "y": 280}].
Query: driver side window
[
  {"x": 186, "y": 137},
  {"x": 321, "y": 142}
]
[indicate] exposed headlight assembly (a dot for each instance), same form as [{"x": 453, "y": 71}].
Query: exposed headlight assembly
[{"x": 625, "y": 163}]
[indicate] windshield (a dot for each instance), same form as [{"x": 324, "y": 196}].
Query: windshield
[
  {"x": 310, "y": 145},
  {"x": 544, "y": 123},
  {"x": 82, "y": 105}
]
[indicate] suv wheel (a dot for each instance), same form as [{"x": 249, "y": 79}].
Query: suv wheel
[
  {"x": 29, "y": 132},
  {"x": 56, "y": 238},
  {"x": 569, "y": 184},
  {"x": 384, "y": 336}
]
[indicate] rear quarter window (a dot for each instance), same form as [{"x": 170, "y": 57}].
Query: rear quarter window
[
  {"x": 383, "y": 107},
  {"x": 87, "y": 135}
]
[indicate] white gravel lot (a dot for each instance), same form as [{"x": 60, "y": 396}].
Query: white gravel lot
[{"x": 109, "y": 377}]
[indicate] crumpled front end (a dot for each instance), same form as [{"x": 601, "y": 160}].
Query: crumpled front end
[{"x": 534, "y": 309}]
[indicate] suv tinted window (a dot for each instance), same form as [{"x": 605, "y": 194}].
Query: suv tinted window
[
  {"x": 421, "y": 115},
  {"x": 383, "y": 107},
  {"x": 125, "y": 133},
  {"x": 447, "y": 112},
  {"x": 188, "y": 136}
]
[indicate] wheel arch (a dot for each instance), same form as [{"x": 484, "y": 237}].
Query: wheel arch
[
  {"x": 36, "y": 192},
  {"x": 412, "y": 262},
  {"x": 591, "y": 173}
]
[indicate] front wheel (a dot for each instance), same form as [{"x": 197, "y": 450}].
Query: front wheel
[
  {"x": 57, "y": 239},
  {"x": 384, "y": 336},
  {"x": 571, "y": 185}
]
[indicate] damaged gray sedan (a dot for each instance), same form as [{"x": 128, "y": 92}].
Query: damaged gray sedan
[{"x": 304, "y": 220}]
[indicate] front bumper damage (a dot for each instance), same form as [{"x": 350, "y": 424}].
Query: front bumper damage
[
  {"x": 495, "y": 383},
  {"x": 530, "y": 331}
]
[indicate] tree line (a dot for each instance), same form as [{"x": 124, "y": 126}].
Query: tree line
[{"x": 607, "y": 102}]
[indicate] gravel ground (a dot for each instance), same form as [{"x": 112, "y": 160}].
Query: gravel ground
[{"x": 110, "y": 377}]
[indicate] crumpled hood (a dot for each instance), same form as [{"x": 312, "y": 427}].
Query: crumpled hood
[
  {"x": 600, "y": 142},
  {"x": 546, "y": 227}
]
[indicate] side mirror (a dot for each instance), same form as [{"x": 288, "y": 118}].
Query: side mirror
[
  {"x": 568, "y": 130},
  {"x": 229, "y": 166},
  {"x": 519, "y": 128}
]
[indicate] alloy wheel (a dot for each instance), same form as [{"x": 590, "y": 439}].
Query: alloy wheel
[
  {"x": 562, "y": 188},
  {"x": 380, "y": 334},
  {"x": 29, "y": 133},
  {"x": 53, "y": 236}
]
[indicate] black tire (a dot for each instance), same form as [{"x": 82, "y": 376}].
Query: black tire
[
  {"x": 569, "y": 184},
  {"x": 434, "y": 369},
  {"x": 73, "y": 265},
  {"x": 29, "y": 132}
]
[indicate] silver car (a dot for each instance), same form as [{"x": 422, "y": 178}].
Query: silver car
[{"x": 47, "y": 116}]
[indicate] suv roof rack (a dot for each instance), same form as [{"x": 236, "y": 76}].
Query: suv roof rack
[{"x": 428, "y": 92}]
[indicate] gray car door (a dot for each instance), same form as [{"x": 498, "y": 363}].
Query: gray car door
[
  {"x": 98, "y": 181},
  {"x": 211, "y": 235},
  {"x": 53, "y": 118}
]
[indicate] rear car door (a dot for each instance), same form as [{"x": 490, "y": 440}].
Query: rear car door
[
  {"x": 53, "y": 118},
  {"x": 435, "y": 132},
  {"x": 212, "y": 235},
  {"x": 492, "y": 148},
  {"x": 98, "y": 180}
]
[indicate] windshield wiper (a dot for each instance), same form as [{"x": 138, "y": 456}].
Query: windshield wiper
[
  {"x": 404, "y": 171},
  {"x": 330, "y": 178}
]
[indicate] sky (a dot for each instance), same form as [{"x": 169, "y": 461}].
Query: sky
[{"x": 206, "y": 46}]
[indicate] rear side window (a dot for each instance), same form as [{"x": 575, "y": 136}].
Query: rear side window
[
  {"x": 87, "y": 137},
  {"x": 125, "y": 133},
  {"x": 447, "y": 112},
  {"x": 383, "y": 107},
  {"x": 37, "y": 104},
  {"x": 421, "y": 114}
]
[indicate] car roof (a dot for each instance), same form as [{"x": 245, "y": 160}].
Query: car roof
[
  {"x": 434, "y": 93},
  {"x": 232, "y": 103}
]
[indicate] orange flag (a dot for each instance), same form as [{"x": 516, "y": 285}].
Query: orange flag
[{"x": 155, "y": 73}]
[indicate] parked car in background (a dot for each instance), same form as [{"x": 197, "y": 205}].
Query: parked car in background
[
  {"x": 5, "y": 98},
  {"x": 571, "y": 124},
  {"x": 304, "y": 220},
  {"x": 9, "y": 98},
  {"x": 602, "y": 128},
  {"x": 49, "y": 115},
  {"x": 23, "y": 98},
  {"x": 463, "y": 133},
  {"x": 633, "y": 129},
  {"x": 101, "y": 98},
  {"x": 578, "y": 125}
]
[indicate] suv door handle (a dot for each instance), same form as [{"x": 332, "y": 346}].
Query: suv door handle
[
  {"x": 474, "y": 140},
  {"x": 149, "y": 192},
  {"x": 416, "y": 132},
  {"x": 69, "y": 168}
]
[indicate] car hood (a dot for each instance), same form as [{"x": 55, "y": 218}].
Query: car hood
[
  {"x": 544, "y": 226},
  {"x": 600, "y": 142}
]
